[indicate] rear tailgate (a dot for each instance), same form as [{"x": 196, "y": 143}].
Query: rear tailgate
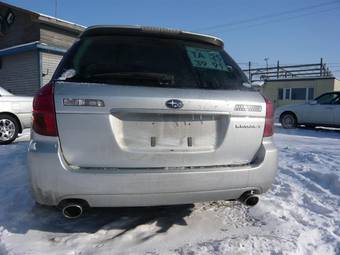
[{"x": 135, "y": 129}]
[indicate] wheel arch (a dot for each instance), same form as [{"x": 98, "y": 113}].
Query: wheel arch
[{"x": 15, "y": 117}]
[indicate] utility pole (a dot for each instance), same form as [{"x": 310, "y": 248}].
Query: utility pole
[
  {"x": 55, "y": 7},
  {"x": 266, "y": 59},
  {"x": 249, "y": 71}
]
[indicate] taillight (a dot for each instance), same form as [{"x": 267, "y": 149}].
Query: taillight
[
  {"x": 269, "y": 125},
  {"x": 44, "y": 119}
]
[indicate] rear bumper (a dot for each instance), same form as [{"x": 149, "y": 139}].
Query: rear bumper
[{"x": 53, "y": 181}]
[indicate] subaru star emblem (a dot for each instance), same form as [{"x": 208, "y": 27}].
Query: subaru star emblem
[{"x": 174, "y": 104}]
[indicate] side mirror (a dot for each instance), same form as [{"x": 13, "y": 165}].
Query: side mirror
[{"x": 312, "y": 102}]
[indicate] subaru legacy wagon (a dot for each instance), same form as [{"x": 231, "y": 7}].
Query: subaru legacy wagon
[{"x": 138, "y": 116}]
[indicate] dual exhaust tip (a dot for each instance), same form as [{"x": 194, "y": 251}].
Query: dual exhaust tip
[
  {"x": 72, "y": 209},
  {"x": 249, "y": 198},
  {"x": 75, "y": 209}
]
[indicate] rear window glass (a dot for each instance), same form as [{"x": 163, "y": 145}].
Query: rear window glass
[{"x": 147, "y": 61}]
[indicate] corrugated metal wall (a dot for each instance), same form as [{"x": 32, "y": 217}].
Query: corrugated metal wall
[
  {"x": 49, "y": 63},
  {"x": 24, "y": 29},
  {"x": 19, "y": 73},
  {"x": 57, "y": 37}
]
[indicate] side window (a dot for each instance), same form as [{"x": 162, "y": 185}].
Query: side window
[
  {"x": 337, "y": 101},
  {"x": 327, "y": 98},
  {"x": 280, "y": 94}
]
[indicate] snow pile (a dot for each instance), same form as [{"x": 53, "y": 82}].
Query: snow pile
[{"x": 300, "y": 215}]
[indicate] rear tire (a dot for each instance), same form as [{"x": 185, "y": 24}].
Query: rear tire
[
  {"x": 288, "y": 120},
  {"x": 9, "y": 129}
]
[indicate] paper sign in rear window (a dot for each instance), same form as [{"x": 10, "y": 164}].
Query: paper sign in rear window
[{"x": 206, "y": 58}]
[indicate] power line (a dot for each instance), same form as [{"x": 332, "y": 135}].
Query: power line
[
  {"x": 285, "y": 19},
  {"x": 259, "y": 18}
]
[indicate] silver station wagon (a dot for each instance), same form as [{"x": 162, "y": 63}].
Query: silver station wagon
[{"x": 138, "y": 116}]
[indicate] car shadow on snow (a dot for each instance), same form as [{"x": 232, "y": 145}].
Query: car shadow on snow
[
  {"x": 20, "y": 214},
  {"x": 50, "y": 219}
]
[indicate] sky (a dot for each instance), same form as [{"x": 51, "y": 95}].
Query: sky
[{"x": 291, "y": 31}]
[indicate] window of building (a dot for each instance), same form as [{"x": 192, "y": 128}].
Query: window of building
[
  {"x": 310, "y": 95},
  {"x": 299, "y": 93},
  {"x": 287, "y": 94},
  {"x": 280, "y": 95},
  {"x": 295, "y": 94}
]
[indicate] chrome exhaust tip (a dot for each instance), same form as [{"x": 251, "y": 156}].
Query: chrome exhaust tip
[
  {"x": 72, "y": 210},
  {"x": 249, "y": 198}
]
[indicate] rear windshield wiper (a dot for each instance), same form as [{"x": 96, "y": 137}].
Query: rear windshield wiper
[{"x": 162, "y": 78}]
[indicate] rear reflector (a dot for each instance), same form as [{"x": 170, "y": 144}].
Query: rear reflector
[
  {"x": 268, "y": 128},
  {"x": 44, "y": 119}
]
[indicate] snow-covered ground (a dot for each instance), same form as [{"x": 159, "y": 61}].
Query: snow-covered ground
[{"x": 300, "y": 215}]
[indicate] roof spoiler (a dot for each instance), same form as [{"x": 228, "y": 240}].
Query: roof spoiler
[{"x": 151, "y": 31}]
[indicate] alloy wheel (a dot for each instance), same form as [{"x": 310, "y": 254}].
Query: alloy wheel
[
  {"x": 288, "y": 121},
  {"x": 7, "y": 130}
]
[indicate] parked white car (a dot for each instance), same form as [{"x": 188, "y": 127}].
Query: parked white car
[
  {"x": 15, "y": 115},
  {"x": 323, "y": 111}
]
